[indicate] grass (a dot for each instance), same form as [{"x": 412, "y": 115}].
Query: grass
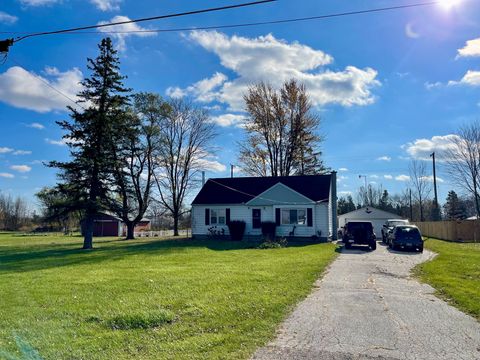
[
  {"x": 147, "y": 298},
  {"x": 454, "y": 273}
]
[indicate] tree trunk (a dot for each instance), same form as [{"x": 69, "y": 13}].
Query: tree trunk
[
  {"x": 130, "y": 230},
  {"x": 88, "y": 233},
  {"x": 475, "y": 193},
  {"x": 175, "y": 224}
]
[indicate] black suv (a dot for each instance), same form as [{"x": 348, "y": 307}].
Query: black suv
[
  {"x": 406, "y": 237},
  {"x": 359, "y": 232}
]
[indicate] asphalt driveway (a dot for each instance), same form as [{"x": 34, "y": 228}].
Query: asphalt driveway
[{"x": 368, "y": 307}]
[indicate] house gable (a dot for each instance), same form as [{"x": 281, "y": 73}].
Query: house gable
[{"x": 279, "y": 194}]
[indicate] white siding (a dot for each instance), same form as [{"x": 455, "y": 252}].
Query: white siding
[
  {"x": 237, "y": 212},
  {"x": 243, "y": 212}
]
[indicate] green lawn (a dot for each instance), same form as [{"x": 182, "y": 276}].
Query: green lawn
[
  {"x": 118, "y": 301},
  {"x": 454, "y": 273}
]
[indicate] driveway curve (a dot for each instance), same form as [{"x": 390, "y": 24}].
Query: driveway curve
[{"x": 367, "y": 306}]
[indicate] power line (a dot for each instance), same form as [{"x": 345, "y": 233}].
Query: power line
[
  {"x": 221, "y": 8},
  {"x": 239, "y": 25},
  {"x": 49, "y": 85}
]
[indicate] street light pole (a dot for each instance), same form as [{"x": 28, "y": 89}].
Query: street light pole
[
  {"x": 365, "y": 177},
  {"x": 432, "y": 155}
]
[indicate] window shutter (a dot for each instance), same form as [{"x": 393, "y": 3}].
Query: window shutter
[
  {"x": 227, "y": 216},
  {"x": 277, "y": 217},
  {"x": 309, "y": 217},
  {"x": 207, "y": 216}
]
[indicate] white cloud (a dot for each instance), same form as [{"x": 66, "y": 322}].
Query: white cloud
[
  {"x": 471, "y": 78},
  {"x": 21, "y": 168},
  {"x": 202, "y": 90},
  {"x": 7, "y": 175},
  {"x": 121, "y": 37},
  {"x": 36, "y": 125},
  {"x": 402, "y": 178},
  {"x": 266, "y": 58},
  {"x": 22, "y": 89},
  {"x": 22, "y": 152},
  {"x": 342, "y": 178},
  {"x": 4, "y": 150},
  {"x": 344, "y": 193},
  {"x": 344, "y": 169},
  {"x": 388, "y": 177},
  {"x": 410, "y": 32},
  {"x": 384, "y": 158},
  {"x": 211, "y": 165},
  {"x": 62, "y": 142},
  {"x": 229, "y": 120},
  {"x": 471, "y": 48},
  {"x": 430, "y": 179},
  {"x": 430, "y": 86},
  {"x": 38, "y": 2},
  {"x": 422, "y": 148},
  {"x": 7, "y": 18},
  {"x": 374, "y": 176},
  {"x": 107, "y": 5}
]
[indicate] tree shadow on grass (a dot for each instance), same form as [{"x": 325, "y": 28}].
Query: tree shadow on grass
[{"x": 40, "y": 257}]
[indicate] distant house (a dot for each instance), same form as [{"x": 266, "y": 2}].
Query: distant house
[
  {"x": 301, "y": 206},
  {"x": 376, "y": 216},
  {"x": 111, "y": 225}
]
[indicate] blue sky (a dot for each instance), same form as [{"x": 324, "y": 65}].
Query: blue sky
[{"x": 388, "y": 86}]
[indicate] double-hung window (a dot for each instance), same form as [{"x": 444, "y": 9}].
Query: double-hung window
[
  {"x": 217, "y": 217},
  {"x": 294, "y": 216}
]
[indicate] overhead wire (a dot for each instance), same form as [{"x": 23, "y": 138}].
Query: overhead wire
[
  {"x": 76, "y": 31},
  {"x": 48, "y": 84},
  {"x": 159, "y": 17}
]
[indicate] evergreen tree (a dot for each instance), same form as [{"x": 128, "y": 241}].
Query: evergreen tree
[
  {"x": 345, "y": 205},
  {"x": 91, "y": 135},
  {"x": 454, "y": 208}
]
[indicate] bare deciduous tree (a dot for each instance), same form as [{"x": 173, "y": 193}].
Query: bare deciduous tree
[
  {"x": 420, "y": 183},
  {"x": 183, "y": 143},
  {"x": 135, "y": 160},
  {"x": 370, "y": 195},
  {"x": 282, "y": 132},
  {"x": 463, "y": 160}
]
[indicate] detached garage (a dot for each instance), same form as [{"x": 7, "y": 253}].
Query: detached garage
[{"x": 375, "y": 216}]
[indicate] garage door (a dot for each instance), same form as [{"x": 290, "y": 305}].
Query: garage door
[{"x": 377, "y": 225}]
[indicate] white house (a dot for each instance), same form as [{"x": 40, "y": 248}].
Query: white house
[
  {"x": 301, "y": 206},
  {"x": 376, "y": 216}
]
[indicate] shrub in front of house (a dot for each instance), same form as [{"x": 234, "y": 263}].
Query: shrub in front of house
[
  {"x": 237, "y": 229},
  {"x": 274, "y": 244},
  {"x": 268, "y": 230}
]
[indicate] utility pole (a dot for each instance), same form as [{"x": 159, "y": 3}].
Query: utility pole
[
  {"x": 411, "y": 207},
  {"x": 231, "y": 170},
  {"x": 432, "y": 155},
  {"x": 365, "y": 177}
]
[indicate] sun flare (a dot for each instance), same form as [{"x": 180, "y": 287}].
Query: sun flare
[{"x": 449, "y": 4}]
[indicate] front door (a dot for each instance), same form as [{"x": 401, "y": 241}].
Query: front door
[{"x": 256, "y": 218}]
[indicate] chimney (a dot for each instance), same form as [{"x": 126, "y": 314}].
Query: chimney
[{"x": 203, "y": 178}]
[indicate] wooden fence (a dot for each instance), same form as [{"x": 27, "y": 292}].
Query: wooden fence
[{"x": 459, "y": 231}]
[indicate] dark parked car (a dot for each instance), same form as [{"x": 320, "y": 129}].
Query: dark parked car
[
  {"x": 359, "y": 232},
  {"x": 388, "y": 227},
  {"x": 406, "y": 237}
]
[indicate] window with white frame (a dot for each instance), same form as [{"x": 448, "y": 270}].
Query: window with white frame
[
  {"x": 294, "y": 217},
  {"x": 217, "y": 216}
]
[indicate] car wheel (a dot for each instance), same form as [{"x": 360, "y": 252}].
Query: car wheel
[
  {"x": 420, "y": 249},
  {"x": 348, "y": 245},
  {"x": 373, "y": 245}
]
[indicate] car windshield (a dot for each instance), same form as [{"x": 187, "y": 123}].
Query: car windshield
[
  {"x": 408, "y": 232},
  {"x": 397, "y": 222},
  {"x": 360, "y": 225}
]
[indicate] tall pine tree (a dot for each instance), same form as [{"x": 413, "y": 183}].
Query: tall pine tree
[{"x": 92, "y": 135}]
